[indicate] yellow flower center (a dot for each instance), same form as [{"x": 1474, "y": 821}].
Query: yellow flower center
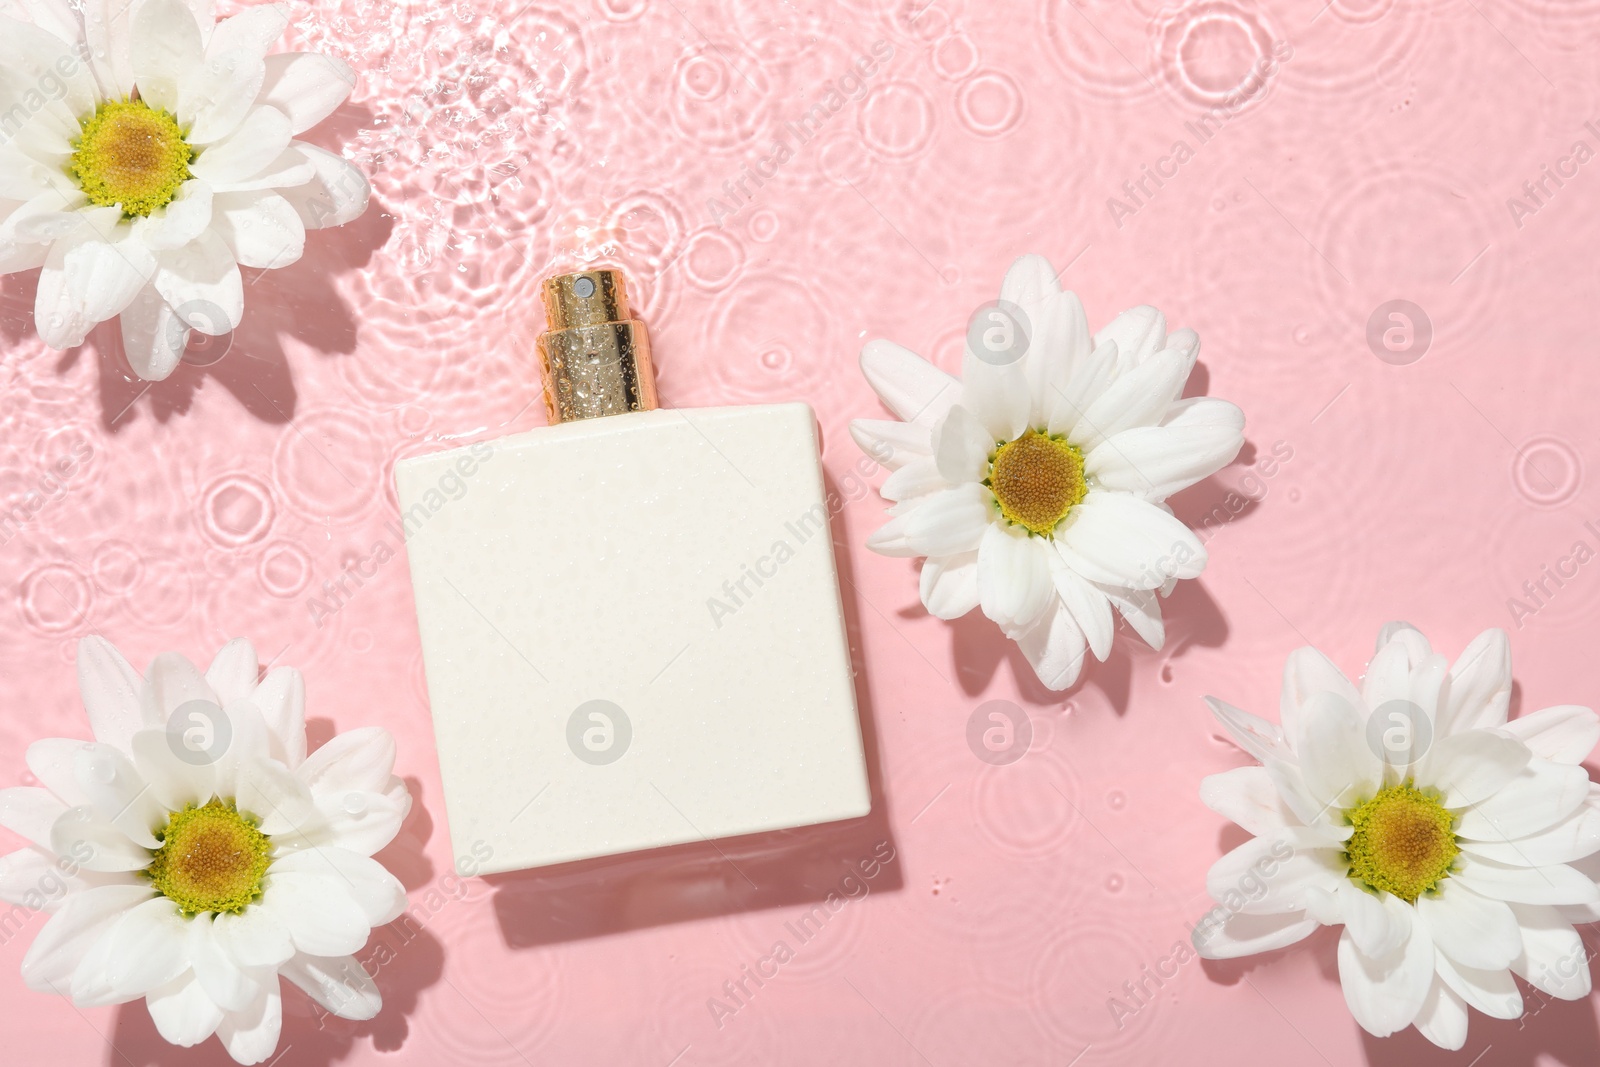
[
  {"x": 1404, "y": 842},
  {"x": 1037, "y": 479},
  {"x": 211, "y": 859},
  {"x": 132, "y": 156}
]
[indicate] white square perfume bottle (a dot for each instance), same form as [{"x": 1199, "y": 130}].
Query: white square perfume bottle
[{"x": 630, "y": 619}]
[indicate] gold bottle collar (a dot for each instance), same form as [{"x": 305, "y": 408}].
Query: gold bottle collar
[{"x": 595, "y": 354}]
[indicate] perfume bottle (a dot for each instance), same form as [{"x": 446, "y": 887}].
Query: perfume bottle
[{"x": 630, "y": 619}]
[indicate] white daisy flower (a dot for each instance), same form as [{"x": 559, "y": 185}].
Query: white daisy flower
[
  {"x": 1035, "y": 485},
  {"x": 193, "y": 852},
  {"x": 1455, "y": 848},
  {"x": 147, "y": 152}
]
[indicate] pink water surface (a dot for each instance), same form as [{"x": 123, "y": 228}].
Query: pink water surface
[{"x": 1375, "y": 161}]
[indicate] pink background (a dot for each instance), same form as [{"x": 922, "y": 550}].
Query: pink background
[{"x": 507, "y": 139}]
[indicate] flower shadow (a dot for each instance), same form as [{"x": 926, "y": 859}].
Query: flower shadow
[
  {"x": 299, "y": 302},
  {"x": 404, "y": 958},
  {"x": 1193, "y": 618},
  {"x": 703, "y": 879},
  {"x": 1549, "y": 1031}
]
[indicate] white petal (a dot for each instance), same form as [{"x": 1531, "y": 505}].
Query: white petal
[
  {"x": 1307, "y": 673},
  {"x": 1067, "y": 404},
  {"x": 88, "y": 279},
  {"x": 1554, "y": 959},
  {"x": 251, "y": 1036},
  {"x": 1013, "y": 576},
  {"x": 306, "y": 86},
  {"x": 1142, "y": 610},
  {"x": 175, "y": 780},
  {"x": 281, "y": 699},
  {"x": 202, "y": 283},
  {"x": 147, "y": 948},
  {"x": 997, "y": 397},
  {"x": 961, "y": 447},
  {"x": 1275, "y": 873},
  {"x": 81, "y": 920},
  {"x": 1412, "y": 639},
  {"x": 1247, "y": 796},
  {"x": 119, "y": 793},
  {"x": 153, "y": 337},
  {"x": 1555, "y": 884},
  {"x": 290, "y": 175},
  {"x": 1289, "y": 780},
  {"x": 254, "y": 30},
  {"x": 1262, "y": 739},
  {"x": 97, "y": 845},
  {"x": 1138, "y": 332},
  {"x": 53, "y": 760},
  {"x": 39, "y": 880},
  {"x": 1245, "y": 935},
  {"x": 1088, "y": 604},
  {"x": 1473, "y": 766},
  {"x": 1566, "y": 733},
  {"x": 1139, "y": 397},
  {"x": 219, "y": 91},
  {"x": 320, "y": 915},
  {"x": 171, "y": 682},
  {"x": 1126, "y": 541},
  {"x": 107, "y": 32},
  {"x": 1494, "y": 993},
  {"x": 30, "y": 812},
  {"x": 1540, "y": 796},
  {"x": 1385, "y": 994},
  {"x": 339, "y": 984},
  {"x": 947, "y": 523},
  {"x": 89, "y": 986},
  {"x": 363, "y": 822},
  {"x": 378, "y": 893},
  {"x": 1573, "y": 838},
  {"x": 180, "y": 221},
  {"x": 1060, "y": 343},
  {"x": 270, "y": 791},
  {"x": 1428, "y": 680},
  {"x": 949, "y": 585},
  {"x": 891, "y": 444},
  {"x": 360, "y": 759},
  {"x": 184, "y": 1015},
  {"x": 1198, "y": 437},
  {"x": 166, "y": 48},
  {"x": 1379, "y": 922},
  {"x": 247, "y": 741},
  {"x": 1388, "y": 676},
  {"x": 255, "y": 937},
  {"x": 1054, "y": 647},
  {"x": 1472, "y": 930},
  {"x": 233, "y": 673},
  {"x": 49, "y": 216},
  {"x": 110, "y": 689},
  {"x": 259, "y": 140},
  {"x": 1331, "y": 743},
  {"x": 1480, "y": 684},
  {"x": 1443, "y": 1018},
  {"x": 911, "y": 387},
  {"x": 262, "y": 229},
  {"x": 334, "y": 191},
  {"x": 917, "y": 478},
  {"x": 229, "y": 986},
  {"x": 35, "y": 54}
]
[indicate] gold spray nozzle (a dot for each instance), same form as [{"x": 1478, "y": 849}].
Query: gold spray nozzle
[{"x": 596, "y": 356}]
